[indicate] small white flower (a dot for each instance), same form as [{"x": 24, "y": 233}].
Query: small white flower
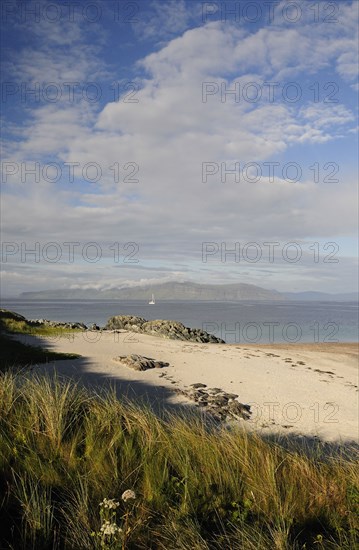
[
  {"x": 110, "y": 528},
  {"x": 128, "y": 495},
  {"x": 109, "y": 503}
]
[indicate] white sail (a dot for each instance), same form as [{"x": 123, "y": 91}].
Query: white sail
[{"x": 152, "y": 301}]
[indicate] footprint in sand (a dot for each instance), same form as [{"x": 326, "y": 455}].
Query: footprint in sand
[{"x": 324, "y": 371}]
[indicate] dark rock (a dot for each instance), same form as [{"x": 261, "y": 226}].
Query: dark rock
[
  {"x": 219, "y": 401},
  {"x": 203, "y": 399},
  {"x": 239, "y": 410},
  {"x": 56, "y": 324},
  {"x": 139, "y": 362},
  {"x": 214, "y": 391},
  {"x": 165, "y": 329},
  {"x": 220, "y": 405},
  {"x": 230, "y": 395},
  {"x": 127, "y": 322}
]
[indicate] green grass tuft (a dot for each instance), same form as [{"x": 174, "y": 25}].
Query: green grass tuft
[{"x": 15, "y": 354}]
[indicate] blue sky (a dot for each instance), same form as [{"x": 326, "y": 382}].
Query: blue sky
[{"x": 138, "y": 110}]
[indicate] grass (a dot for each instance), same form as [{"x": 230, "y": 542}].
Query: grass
[
  {"x": 20, "y": 326},
  {"x": 15, "y": 353},
  {"x": 64, "y": 449}
]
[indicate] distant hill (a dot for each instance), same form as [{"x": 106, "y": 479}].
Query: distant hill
[
  {"x": 322, "y": 296},
  {"x": 188, "y": 291},
  {"x": 165, "y": 291}
]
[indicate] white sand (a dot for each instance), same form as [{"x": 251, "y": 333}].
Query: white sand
[{"x": 285, "y": 396}]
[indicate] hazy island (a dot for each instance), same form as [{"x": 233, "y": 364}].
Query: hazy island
[{"x": 186, "y": 291}]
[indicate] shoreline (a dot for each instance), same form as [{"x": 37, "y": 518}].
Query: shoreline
[{"x": 305, "y": 390}]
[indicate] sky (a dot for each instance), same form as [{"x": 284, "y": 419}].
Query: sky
[{"x": 154, "y": 141}]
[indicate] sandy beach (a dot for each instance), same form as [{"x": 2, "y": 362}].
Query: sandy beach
[{"x": 307, "y": 389}]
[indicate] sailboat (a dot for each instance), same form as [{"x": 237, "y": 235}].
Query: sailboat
[{"x": 152, "y": 301}]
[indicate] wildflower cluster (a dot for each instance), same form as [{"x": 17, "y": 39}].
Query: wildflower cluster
[
  {"x": 109, "y": 503},
  {"x": 128, "y": 495},
  {"x": 108, "y": 528},
  {"x": 111, "y": 534}
]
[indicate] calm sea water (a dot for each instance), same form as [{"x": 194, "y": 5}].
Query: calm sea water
[{"x": 235, "y": 322}]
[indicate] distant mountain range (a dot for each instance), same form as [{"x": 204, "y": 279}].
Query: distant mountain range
[
  {"x": 186, "y": 291},
  {"x": 312, "y": 296}
]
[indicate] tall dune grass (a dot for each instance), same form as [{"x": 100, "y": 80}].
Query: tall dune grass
[{"x": 63, "y": 450}]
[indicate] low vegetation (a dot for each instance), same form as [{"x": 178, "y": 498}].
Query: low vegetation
[
  {"x": 85, "y": 471},
  {"x": 12, "y": 322},
  {"x": 81, "y": 471},
  {"x": 15, "y": 354}
]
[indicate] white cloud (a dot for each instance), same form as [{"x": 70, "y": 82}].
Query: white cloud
[
  {"x": 160, "y": 20},
  {"x": 170, "y": 132}
]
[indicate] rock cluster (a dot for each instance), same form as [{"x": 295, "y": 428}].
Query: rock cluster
[
  {"x": 139, "y": 362},
  {"x": 166, "y": 329},
  {"x": 56, "y": 324},
  {"x": 125, "y": 322},
  {"x": 221, "y": 405}
]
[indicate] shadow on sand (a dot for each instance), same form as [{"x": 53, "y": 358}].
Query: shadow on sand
[{"x": 160, "y": 400}]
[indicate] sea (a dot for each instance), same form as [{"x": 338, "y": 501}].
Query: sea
[{"x": 234, "y": 322}]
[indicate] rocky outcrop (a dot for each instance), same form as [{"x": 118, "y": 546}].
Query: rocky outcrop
[
  {"x": 56, "y": 324},
  {"x": 7, "y": 314},
  {"x": 125, "y": 322},
  {"x": 165, "y": 329},
  {"x": 139, "y": 362},
  {"x": 222, "y": 406}
]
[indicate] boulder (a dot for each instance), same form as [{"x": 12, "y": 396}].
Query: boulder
[
  {"x": 220, "y": 405},
  {"x": 139, "y": 362},
  {"x": 126, "y": 322}
]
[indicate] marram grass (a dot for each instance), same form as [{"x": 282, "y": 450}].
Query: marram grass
[
  {"x": 64, "y": 451},
  {"x": 15, "y": 354}
]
